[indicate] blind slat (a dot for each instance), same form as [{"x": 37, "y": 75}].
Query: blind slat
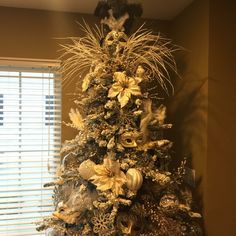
[
  {"x": 32, "y": 161},
  {"x": 35, "y": 233},
  {"x": 31, "y": 183},
  {"x": 20, "y": 227},
  {"x": 26, "y": 194},
  {"x": 26, "y": 211},
  {"x": 28, "y": 91},
  {"x": 25, "y": 205},
  {"x": 20, "y": 165},
  {"x": 30, "y": 123},
  {"x": 15, "y": 223},
  {"x": 27, "y": 158},
  {"x": 28, "y": 77},
  {"x": 28, "y": 177},
  {"x": 43, "y": 200},
  {"x": 30, "y": 150},
  {"x": 23, "y": 172},
  {"x": 22, "y": 188},
  {"x": 25, "y": 216}
]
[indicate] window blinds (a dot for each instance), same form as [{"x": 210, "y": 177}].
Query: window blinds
[{"x": 30, "y": 131}]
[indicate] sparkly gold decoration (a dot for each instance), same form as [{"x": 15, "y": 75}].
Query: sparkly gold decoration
[
  {"x": 111, "y": 143},
  {"x": 101, "y": 223},
  {"x": 149, "y": 116},
  {"x": 115, "y": 42},
  {"x": 86, "y": 81},
  {"x": 123, "y": 88},
  {"x": 169, "y": 200},
  {"x": 129, "y": 139},
  {"x": 70, "y": 218},
  {"x": 154, "y": 144},
  {"x": 160, "y": 114},
  {"x": 195, "y": 214},
  {"x": 140, "y": 74},
  {"x": 95, "y": 71}
]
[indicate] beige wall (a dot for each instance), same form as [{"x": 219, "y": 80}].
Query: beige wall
[
  {"x": 221, "y": 161},
  {"x": 203, "y": 107},
  {"x": 188, "y": 107},
  {"x": 34, "y": 34}
]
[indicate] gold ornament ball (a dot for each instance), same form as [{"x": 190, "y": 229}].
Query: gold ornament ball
[
  {"x": 134, "y": 179},
  {"x": 86, "y": 169}
]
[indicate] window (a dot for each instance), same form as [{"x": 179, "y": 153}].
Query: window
[{"x": 30, "y": 132}]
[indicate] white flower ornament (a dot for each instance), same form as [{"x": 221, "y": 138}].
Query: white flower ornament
[{"x": 123, "y": 88}]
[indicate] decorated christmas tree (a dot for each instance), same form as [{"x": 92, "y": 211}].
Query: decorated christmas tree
[{"x": 114, "y": 178}]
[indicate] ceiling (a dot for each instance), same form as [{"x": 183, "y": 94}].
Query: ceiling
[{"x": 154, "y": 9}]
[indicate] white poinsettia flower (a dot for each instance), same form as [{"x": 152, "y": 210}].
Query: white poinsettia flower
[
  {"x": 123, "y": 88},
  {"x": 108, "y": 176}
]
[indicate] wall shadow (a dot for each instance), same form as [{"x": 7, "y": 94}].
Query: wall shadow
[{"x": 187, "y": 111}]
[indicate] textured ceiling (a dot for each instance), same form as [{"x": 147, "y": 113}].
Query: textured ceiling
[{"x": 154, "y": 9}]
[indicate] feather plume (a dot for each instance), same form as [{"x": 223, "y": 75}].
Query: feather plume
[
  {"x": 154, "y": 53},
  {"x": 76, "y": 118},
  {"x": 78, "y": 56}
]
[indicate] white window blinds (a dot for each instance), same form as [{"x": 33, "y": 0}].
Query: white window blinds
[{"x": 30, "y": 131}]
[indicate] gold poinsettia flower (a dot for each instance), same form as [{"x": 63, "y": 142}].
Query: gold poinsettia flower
[
  {"x": 109, "y": 176},
  {"x": 123, "y": 88}
]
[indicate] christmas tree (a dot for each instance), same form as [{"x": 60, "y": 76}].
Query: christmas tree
[{"x": 114, "y": 178}]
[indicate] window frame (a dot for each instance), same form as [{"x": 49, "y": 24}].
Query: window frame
[{"x": 26, "y": 64}]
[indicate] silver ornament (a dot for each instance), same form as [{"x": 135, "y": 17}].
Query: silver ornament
[
  {"x": 134, "y": 179},
  {"x": 86, "y": 169}
]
